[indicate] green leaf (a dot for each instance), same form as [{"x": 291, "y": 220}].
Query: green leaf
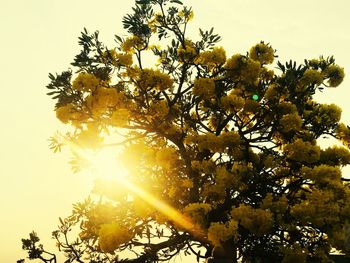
[
  {"x": 118, "y": 38},
  {"x": 176, "y": 2}
]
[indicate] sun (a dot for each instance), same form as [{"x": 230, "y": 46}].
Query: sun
[
  {"x": 106, "y": 167},
  {"x": 104, "y": 164}
]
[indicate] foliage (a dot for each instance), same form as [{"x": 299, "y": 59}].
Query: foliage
[
  {"x": 229, "y": 143},
  {"x": 36, "y": 251}
]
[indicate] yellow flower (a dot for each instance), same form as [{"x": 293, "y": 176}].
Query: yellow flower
[
  {"x": 324, "y": 115},
  {"x": 272, "y": 93},
  {"x": 267, "y": 74},
  {"x": 63, "y": 113},
  {"x": 167, "y": 158},
  {"x": 117, "y": 59},
  {"x": 230, "y": 139},
  {"x": 197, "y": 212},
  {"x": 123, "y": 60},
  {"x": 150, "y": 78},
  {"x": 322, "y": 174},
  {"x": 257, "y": 221},
  {"x": 188, "y": 52},
  {"x": 314, "y": 63},
  {"x": 219, "y": 232},
  {"x": 343, "y": 133},
  {"x": 103, "y": 99},
  {"x": 339, "y": 236},
  {"x": 263, "y": 53},
  {"x": 102, "y": 214},
  {"x": 319, "y": 209},
  {"x": 86, "y": 82},
  {"x": 173, "y": 192},
  {"x": 286, "y": 107},
  {"x": 223, "y": 180},
  {"x": 302, "y": 151},
  {"x": 275, "y": 205},
  {"x": 111, "y": 236},
  {"x": 120, "y": 117},
  {"x": 212, "y": 58},
  {"x": 204, "y": 87},
  {"x": 251, "y": 106},
  {"x": 335, "y": 156},
  {"x": 239, "y": 67},
  {"x": 108, "y": 97},
  {"x": 131, "y": 43},
  {"x": 187, "y": 183},
  {"x": 232, "y": 102},
  {"x": 205, "y": 166},
  {"x": 153, "y": 23},
  {"x": 188, "y": 16},
  {"x": 291, "y": 122},
  {"x": 250, "y": 71},
  {"x": 311, "y": 76},
  {"x": 70, "y": 112},
  {"x": 158, "y": 110},
  {"x": 214, "y": 143},
  {"x": 269, "y": 161},
  {"x": 209, "y": 141},
  {"x": 335, "y": 75},
  {"x": 233, "y": 66}
]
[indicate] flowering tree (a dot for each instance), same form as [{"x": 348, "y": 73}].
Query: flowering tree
[{"x": 222, "y": 152}]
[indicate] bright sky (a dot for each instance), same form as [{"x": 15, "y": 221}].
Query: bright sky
[{"x": 40, "y": 36}]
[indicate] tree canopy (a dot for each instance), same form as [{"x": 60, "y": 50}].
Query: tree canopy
[{"x": 222, "y": 153}]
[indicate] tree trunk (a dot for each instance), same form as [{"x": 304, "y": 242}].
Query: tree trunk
[{"x": 225, "y": 254}]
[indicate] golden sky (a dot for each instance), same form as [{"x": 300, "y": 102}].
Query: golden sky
[{"x": 40, "y": 36}]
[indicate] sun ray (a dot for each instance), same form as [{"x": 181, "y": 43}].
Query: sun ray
[
  {"x": 167, "y": 210},
  {"x": 105, "y": 164}
]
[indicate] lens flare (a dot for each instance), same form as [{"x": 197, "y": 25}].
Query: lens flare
[{"x": 105, "y": 164}]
